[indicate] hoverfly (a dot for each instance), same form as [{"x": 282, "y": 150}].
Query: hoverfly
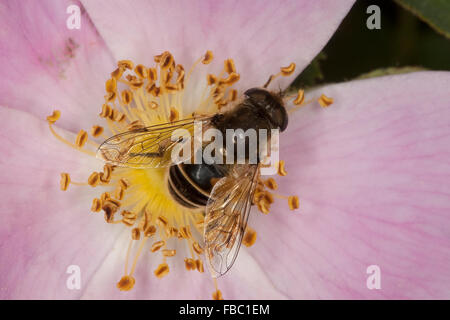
[{"x": 227, "y": 202}]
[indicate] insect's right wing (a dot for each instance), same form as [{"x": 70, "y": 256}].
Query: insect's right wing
[
  {"x": 147, "y": 147},
  {"x": 227, "y": 213}
]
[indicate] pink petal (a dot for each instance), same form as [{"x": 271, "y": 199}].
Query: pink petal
[
  {"x": 373, "y": 176},
  {"x": 42, "y": 229},
  {"x": 45, "y": 65},
  {"x": 261, "y": 36}
]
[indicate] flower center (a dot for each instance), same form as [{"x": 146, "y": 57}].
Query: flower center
[{"x": 137, "y": 97}]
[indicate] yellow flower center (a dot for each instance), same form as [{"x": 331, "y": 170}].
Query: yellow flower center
[{"x": 140, "y": 96}]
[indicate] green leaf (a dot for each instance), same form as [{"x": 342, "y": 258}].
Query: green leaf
[{"x": 434, "y": 12}]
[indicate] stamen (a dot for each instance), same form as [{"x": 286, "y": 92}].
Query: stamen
[
  {"x": 271, "y": 184},
  {"x": 162, "y": 270},
  {"x": 96, "y": 131},
  {"x": 281, "y": 169},
  {"x": 287, "y": 71},
  {"x": 157, "y": 245},
  {"x": 293, "y": 202},
  {"x": 325, "y": 101},
  {"x": 249, "y": 238},
  {"x": 65, "y": 181},
  {"x": 208, "y": 57},
  {"x": 126, "y": 283}
]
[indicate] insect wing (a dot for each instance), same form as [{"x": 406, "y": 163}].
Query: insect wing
[
  {"x": 227, "y": 213},
  {"x": 148, "y": 147}
]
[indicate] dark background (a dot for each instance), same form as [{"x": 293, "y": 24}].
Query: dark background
[{"x": 354, "y": 50}]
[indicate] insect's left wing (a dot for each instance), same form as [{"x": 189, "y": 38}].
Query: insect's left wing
[
  {"x": 227, "y": 213},
  {"x": 147, "y": 147}
]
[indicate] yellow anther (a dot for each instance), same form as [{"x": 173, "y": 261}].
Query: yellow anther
[
  {"x": 199, "y": 266},
  {"x": 287, "y": 71},
  {"x": 135, "y": 234},
  {"x": 217, "y": 295},
  {"x": 211, "y": 79},
  {"x": 96, "y": 205},
  {"x": 106, "y": 111},
  {"x": 325, "y": 101},
  {"x": 174, "y": 115},
  {"x": 141, "y": 71},
  {"x": 124, "y": 183},
  {"x": 231, "y": 79},
  {"x": 127, "y": 96},
  {"x": 293, "y": 202},
  {"x": 249, "y": 237},
  {"x": 300, "y": 97},
  {"x": 94, "y": 179},
  {"x": 96, "y": 131},
  {"x": 168, "y": 253},
  {"x": 82, "y": 138},
  {"x": 111, "y": 85},
  {"x": 157, "y": 245},
  {"x": 54, "y": 117},
  {"x": 162, "y": 270},
  {"x": 281, "y": 169},
  {"x": 166, "y": 60},
  {"x": 229, "y": 66},
  {"x": 116, "y": 74},
  {"x": 190, "y": 264},
  {"x": 197, "y": 248},
  {"x": 126, "y": 283},
  {"x": 65, "y": 181},
  {"x": 208, "y": 57},
  {"x": 127, "y": 64},
  {"x": 152, "y": 74},
  {"x": 271, "y": 184}
]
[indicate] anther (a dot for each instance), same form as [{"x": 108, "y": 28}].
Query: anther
[
  {"x": 135, "y": 234},
  {"x": 162, "y": 270},
  {"x": 300, "y": 97},
  {"x": 199, "y": 266},
  {"x": 96, "y": 205},
  {"x": 81, "y": 138},
  {"x": 127, "y": 96},
  {"x": 54, "y": 117},
  {"x": 271, "y": 184},
  {"x": 124, "y": 183},
  {"x": 96, "y": 131},
  {"x": 126, "y": 283},
  {"x": 211, "y": 79},
  {"x": 168, "y": 253},
  {"x": 94, "y": 179},
  {"x": 111, "y": 85},
  {"x": 325, "y": 101},
  {"x": 281, "y": 169},
  {"x": 249, "y": 237},
  {"x": 65, "y": 181},
  {"x": 217, "y": 295},
  {"x": 197, "y": 248},
  {"x": 229, "y": 66},
  {"x": 287, "y": 71},
  {"x": 208, "y": 57},
  {"x": 157, "y": 245},
  {"x": 293, "y": 202},
  {"x": 190, "y": 264},
  {"x": 141, "y": 71},
  {"x": 127, "y": 64}
]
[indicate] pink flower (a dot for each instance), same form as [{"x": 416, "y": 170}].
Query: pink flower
[{"x": 371, "y": 171}]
